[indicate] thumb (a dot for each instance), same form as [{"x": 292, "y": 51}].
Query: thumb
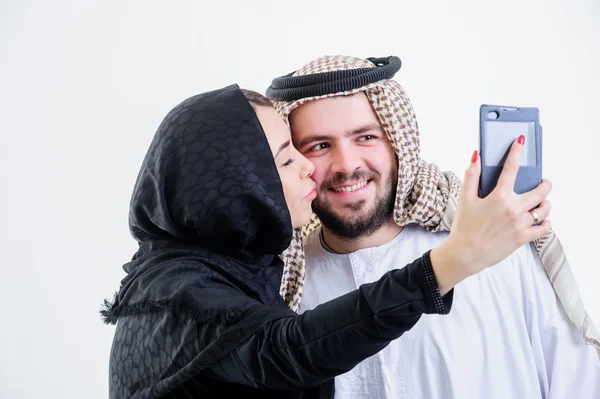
[{"x": 470, "y": 189}]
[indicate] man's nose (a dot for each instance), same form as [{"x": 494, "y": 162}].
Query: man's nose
[{"x": 345, "y": 160}]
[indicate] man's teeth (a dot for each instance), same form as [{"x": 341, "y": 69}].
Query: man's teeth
[{"x": 348, "y": 189}]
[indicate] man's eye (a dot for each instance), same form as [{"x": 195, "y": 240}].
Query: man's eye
[
  {"x": 318, "y": 147},
  {"x": 367, "y": 137}
]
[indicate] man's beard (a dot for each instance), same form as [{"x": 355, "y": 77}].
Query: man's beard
[{"x": 366, "y": 223}]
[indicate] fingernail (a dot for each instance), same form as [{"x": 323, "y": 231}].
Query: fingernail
[
  {"x": 474, "y": 157},
  {"x": 521, "y": 139}
]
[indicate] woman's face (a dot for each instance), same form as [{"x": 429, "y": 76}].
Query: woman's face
[{"x": 293, "y": 168}]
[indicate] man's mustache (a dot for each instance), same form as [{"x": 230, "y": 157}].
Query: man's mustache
[{"x": 341, "y": 178}]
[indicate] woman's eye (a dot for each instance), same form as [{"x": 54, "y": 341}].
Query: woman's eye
[
  {"x": 367, "y": 138},
  {"x": 288, "y": 162}
]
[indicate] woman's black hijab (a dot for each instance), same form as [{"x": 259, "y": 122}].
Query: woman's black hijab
[{"x": 210, "y": 218}]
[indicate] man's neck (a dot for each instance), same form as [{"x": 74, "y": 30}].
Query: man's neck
[{"x": 340, "y": 245}]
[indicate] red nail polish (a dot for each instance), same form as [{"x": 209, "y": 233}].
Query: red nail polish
[
  {"x": 521, "y": 139},
  {"x": 474, "y": 157}
]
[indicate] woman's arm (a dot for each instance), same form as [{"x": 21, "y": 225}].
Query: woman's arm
[{"x": 308, "y": 349}]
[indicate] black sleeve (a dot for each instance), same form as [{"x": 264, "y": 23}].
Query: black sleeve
[{"x": 309, "y": 349}]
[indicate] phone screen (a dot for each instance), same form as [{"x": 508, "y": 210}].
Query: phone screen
[{"x": 500, "y": 135}]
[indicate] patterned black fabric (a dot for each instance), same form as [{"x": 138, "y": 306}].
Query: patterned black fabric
[
  {"x": 164, "y": 354},
  {"x": 206, "y": 210}
]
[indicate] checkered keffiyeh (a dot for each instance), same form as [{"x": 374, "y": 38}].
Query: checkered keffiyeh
[{"x": 424, "y": 194}]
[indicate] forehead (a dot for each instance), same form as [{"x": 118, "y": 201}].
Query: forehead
[
  {"x": 334, "y": 115},
  {"x": 273, "y": 125}
]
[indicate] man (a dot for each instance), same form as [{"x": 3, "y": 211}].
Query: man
[{"x": 379, "y": 206}]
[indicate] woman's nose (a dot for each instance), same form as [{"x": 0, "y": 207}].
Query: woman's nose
[{"x": 308, "y": 168}]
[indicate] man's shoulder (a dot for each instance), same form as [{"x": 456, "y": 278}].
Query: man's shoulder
[
  {"x": 527, "y": 261},
  {"x": 418, "y": 238},
  {"x": 419, "y": 232}
]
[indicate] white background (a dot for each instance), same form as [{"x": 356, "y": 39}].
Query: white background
[{"x": 84, "y": 85}]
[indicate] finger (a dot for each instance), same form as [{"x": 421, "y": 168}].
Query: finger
[
  {"x": 535, "y": 232},
  {"x": 534, "y": 197},
  {"x": 511, "y": 165},
  {"x": 542, "y": 212},
  {"x": 470, "y": 187}
]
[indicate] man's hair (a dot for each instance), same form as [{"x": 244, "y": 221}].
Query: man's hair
[{"x": 256, "y": 99}]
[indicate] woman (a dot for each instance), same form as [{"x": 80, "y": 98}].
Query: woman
[{"x": 199, "y": 313}]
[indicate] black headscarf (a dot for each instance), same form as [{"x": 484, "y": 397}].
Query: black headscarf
[{"x": 209, "y": 215}]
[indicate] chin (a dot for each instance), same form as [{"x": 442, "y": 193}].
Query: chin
[
  {"x": 302, "y": 219},
  {"x": 355, "y": 213},
  {"x": 305, "y": 220}
]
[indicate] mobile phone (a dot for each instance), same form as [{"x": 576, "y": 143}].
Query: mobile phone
[{"x": 499, "y": 127}]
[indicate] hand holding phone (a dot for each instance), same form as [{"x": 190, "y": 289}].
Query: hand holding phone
[{"x": 500, "y": 126}]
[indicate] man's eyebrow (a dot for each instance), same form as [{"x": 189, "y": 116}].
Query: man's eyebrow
[
  {"x": 281, "y": 148},
  {"x": 363, "y": 129},
  {"x": 324, "y": 137}
]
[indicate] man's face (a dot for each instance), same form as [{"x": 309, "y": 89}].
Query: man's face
[{"x": 355, "y": 165}]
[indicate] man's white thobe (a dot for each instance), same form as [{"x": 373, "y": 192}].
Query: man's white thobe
[{"x": 505, "y": 337}]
